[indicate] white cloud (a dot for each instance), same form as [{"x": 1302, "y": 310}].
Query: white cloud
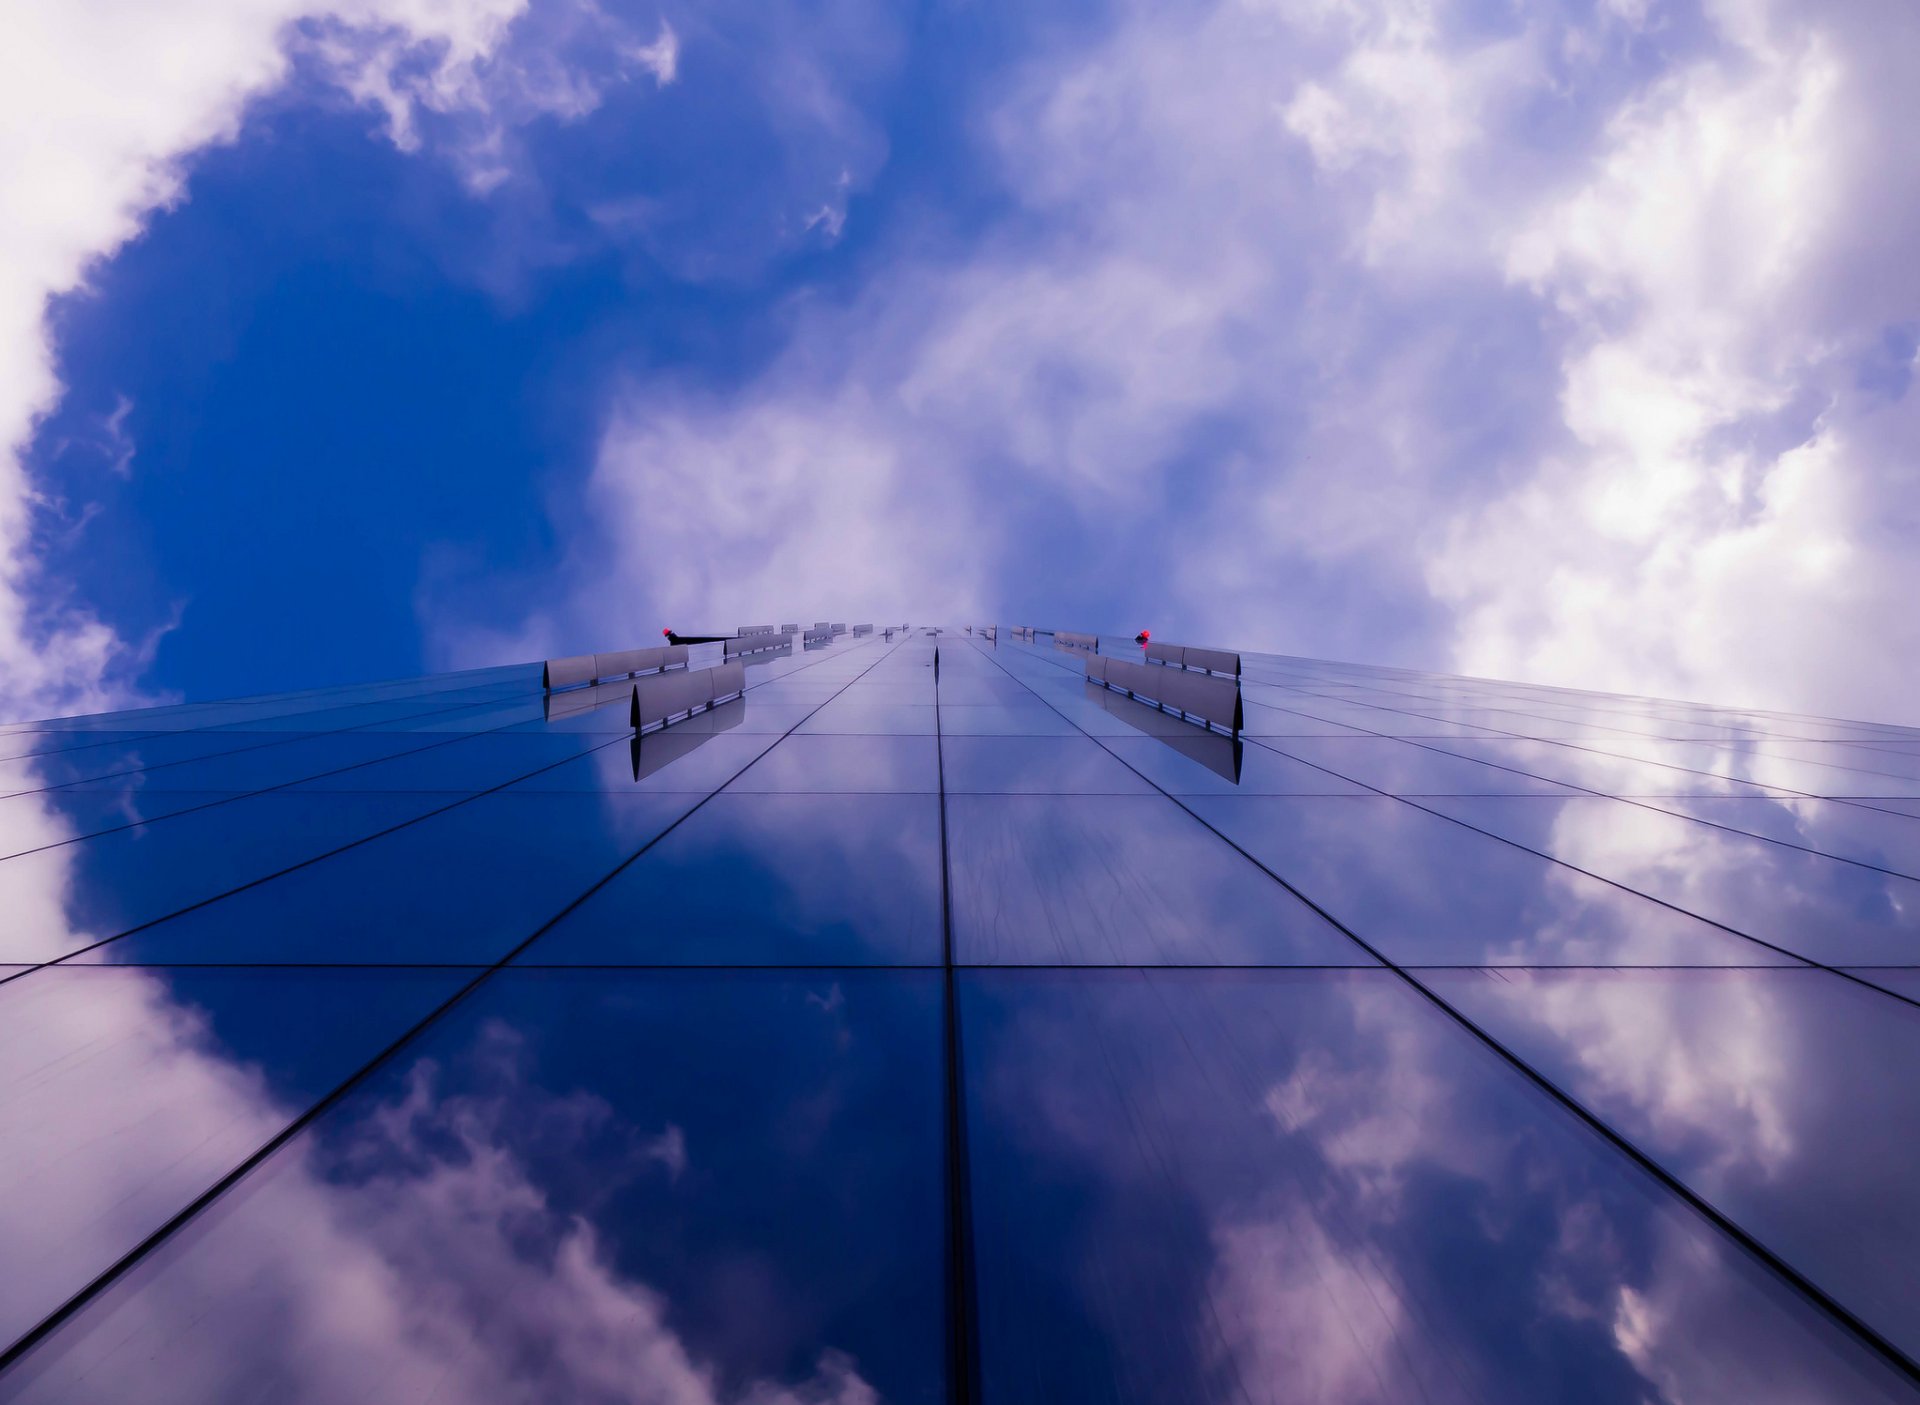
[
  {"x": 102, "y": 103},
  {"x": 1524, "y": 344},
  {"x": 1724, "y": 518},
  {"x": 415, "y": 1256}
]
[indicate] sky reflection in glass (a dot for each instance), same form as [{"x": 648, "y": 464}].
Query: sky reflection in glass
[{"x": 876, "y": 1040}]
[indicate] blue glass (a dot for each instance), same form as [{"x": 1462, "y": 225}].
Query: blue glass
[
  {"x": 777, "y": 879},
  {"x": 578, "y": 1186},
  {"x": 673, "y": 758},
  {"x": 1596, "y": 770},
  {"x": 130, "y": 1092},
  {"x": 797, "y": 690},
  {"x": 39, "y": 818},
  {"x": 1262, "y": 720},
  {"x": 15, "y": 745},
  {"x": 152, "y": 753},
  {"x": 1100, "y": 880},
  {"x": 1868, "y": 835},
  {"x": 69, "y": 896},
  {"x": 1813, "y": 906},
  {"x": 471, "y": 763},
  {"x": 465, "y": 886},
  {"x": 980, "y": 688},
  {"x": 1903, "y": 981},
  {"x": 1761, "y": 768},
  {"x": 1402, "y": 768},
  {"x": 1785, "y": 1098},
  {"x": 872, "y": 691},
  {"x": 1028, "y": 719},
  {"x": 1035, "y": 765},
  {"x": 1882, "y": 760},
  {"x": 1194, "y": 762},
  {"x": 1200, "y": 1186},
  {"x": 1425, "y": 891},
  {"x": 295, "y": 759},
  {"x": 803, "y": 763},
  {"x": 371, "y": 715}
]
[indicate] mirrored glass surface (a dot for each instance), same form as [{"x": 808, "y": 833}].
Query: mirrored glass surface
[
  {"x": 861, "y": 719},
  {"x": 1035, "y": 765},
  {"x": 774, "y": 879},
  {"x": 1028, "y": 719},
  {"x": 1871, "y": 835},
  {"x": 1424, "y": 890},
  {"x": 469, "y": 764},
  {"x": 1816, "y": 907},
  {"x": 674, "y": 758},
  {"x": 17, "y": 744},
  {"x": 1195, "y": 762},
  {"x": 578, "y": 1186},
  {"x": 1761, "y": 768},
  {"x": 128, "y": 1093},
  {"x": 284, "y": 762},
  {"x": 1785, "y": 1098},
  {"x": 821, "y": 764},
  {"x": 464, "y": 886},
  {"x": 1401, "y": 768},
  {"x": 65, "y": 897},
  {"x": 1601, "y": 771},
  {"x": 1100, "y": 880},
  {"x": 152, "y": 754},
  {"x": 1200, "y": 1186}
]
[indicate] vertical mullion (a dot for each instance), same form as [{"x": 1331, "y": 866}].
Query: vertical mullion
[{"x": 962, "y": 1355}]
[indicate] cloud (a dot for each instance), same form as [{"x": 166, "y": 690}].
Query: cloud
[
  {"x": 1564, "y": 345},
  {"x": 102, "y": 104},
  {"x": 413, "y": 1255}
]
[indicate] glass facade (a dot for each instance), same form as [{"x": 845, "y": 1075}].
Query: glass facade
[{"x": 906, "y": 1032}]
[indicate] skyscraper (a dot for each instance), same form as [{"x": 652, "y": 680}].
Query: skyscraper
[{"x": 932, "y": 1022}]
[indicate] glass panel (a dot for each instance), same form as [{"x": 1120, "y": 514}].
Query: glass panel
[
  {"x": 845, "y": 764},
  {"x": 1262, "y": 721},
  {"x": 770, "y": 880},
  {"x": 1030, "y": 719},
  {"x": 1808, "y": 904},
  {"x": 472, "y": 763},
  {"x": 66, "y": 897},
  {"x": 128, "y": 1093},
  {"x": 1846, "y": 831},
  {"x": 1785, "y": 773},
  {"x": 294, "y": 760},
  {"x": 14, "y": 745},
  {"x": 1199, "y": 763},
  {"x": 1116, "y": 880},
  {"x": 1785, "y": 1099},
  {"x": 1035, "y": 765},
  {"x": 464, "y": 886},
  {"x": 1401, "y": 768},
  {"x": 1597, "y": 770},
  {"x": 1200, "y": 1186},
  {"x": 35, "y": 820},
  {"x": 1426, "y": 891},
  {"x": 674, "y": 758},
  {"x": 93, "y": 762},
  {"x": 585, "y": 1186}
]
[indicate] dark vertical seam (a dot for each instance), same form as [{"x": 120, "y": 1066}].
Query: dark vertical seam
[{"x": 962, "y": 1341}]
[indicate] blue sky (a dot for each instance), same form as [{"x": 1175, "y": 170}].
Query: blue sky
[{"x": 353, "y": 338}]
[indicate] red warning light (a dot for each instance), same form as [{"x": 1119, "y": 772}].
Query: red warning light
[
  {"x": 1142, "y": 637},
  {"x": 667, "y": 632}
]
